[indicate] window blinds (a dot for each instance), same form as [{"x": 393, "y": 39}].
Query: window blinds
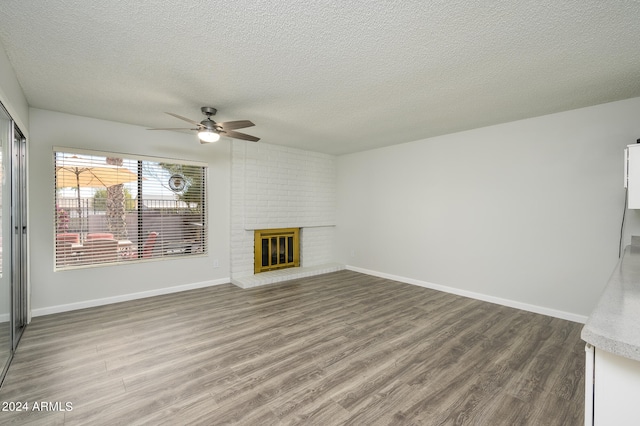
[{"x": 114, "y": 208}]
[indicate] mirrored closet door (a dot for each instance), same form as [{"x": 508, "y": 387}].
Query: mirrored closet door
[{"x": 13, "y": 238}]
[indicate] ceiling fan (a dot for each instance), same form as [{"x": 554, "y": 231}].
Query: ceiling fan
[{"x": 210, "y": 131}]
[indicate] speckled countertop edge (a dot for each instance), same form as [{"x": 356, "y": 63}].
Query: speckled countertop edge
[{"x": 614, "y": 324}]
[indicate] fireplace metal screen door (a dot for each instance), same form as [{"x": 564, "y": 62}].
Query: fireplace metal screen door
[{"x": 276, "y": 249}]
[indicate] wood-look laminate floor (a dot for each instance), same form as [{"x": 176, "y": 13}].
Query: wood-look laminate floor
[{"x": 339, "y": 348}]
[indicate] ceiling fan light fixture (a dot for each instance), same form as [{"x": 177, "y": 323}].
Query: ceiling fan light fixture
[
  {"x": 209, "y": 131},
  {"x": 208, "y": 135}
]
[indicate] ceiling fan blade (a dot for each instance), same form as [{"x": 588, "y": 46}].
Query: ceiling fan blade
[
  {"x": 172, "y": 128},
  {"x": 232, "y": 125},
  {"x": 184, "y": 118},
  {"x": 238, "y": 135}
]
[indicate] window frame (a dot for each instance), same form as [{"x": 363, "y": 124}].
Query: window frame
[{"x": 202, "y": 210}]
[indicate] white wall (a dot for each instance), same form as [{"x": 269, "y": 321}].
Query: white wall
[
  {"x": 11, "y": 94},
  {"x": 62, "y": 290},
  {"x": 527, "y": 211}
]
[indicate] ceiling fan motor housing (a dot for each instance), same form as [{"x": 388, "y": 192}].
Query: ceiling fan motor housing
[
  {"x": 209, "y": 124},
  {"x": 208, "y": 111}
]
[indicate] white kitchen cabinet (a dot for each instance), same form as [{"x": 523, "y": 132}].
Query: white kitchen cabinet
[{"x": 615, "y": 392}]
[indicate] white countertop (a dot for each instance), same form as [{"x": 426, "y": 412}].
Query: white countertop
[{"x": 614, "y": 324}]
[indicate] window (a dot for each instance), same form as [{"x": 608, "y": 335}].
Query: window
[{"x": 113, "y": 208}]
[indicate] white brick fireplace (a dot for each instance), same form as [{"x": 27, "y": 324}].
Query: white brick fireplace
[{"x": 279, "y": 187}]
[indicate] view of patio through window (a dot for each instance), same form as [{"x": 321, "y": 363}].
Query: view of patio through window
[{"x": 112, "y": 208}]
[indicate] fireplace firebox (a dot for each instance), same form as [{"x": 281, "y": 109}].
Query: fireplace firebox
[{"x": 276, "y": 249}]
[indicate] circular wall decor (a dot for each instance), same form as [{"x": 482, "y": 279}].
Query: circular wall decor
[{"x": 177, "y": 182}]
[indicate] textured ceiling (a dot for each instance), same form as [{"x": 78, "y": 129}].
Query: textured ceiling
[{"x": 328, "y": 76}]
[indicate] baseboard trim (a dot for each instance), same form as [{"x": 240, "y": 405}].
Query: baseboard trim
[
  {"x": 479, "y": 296},
  {"x": 158, "y": 292},
  {"x": 125, "y": 297}
]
